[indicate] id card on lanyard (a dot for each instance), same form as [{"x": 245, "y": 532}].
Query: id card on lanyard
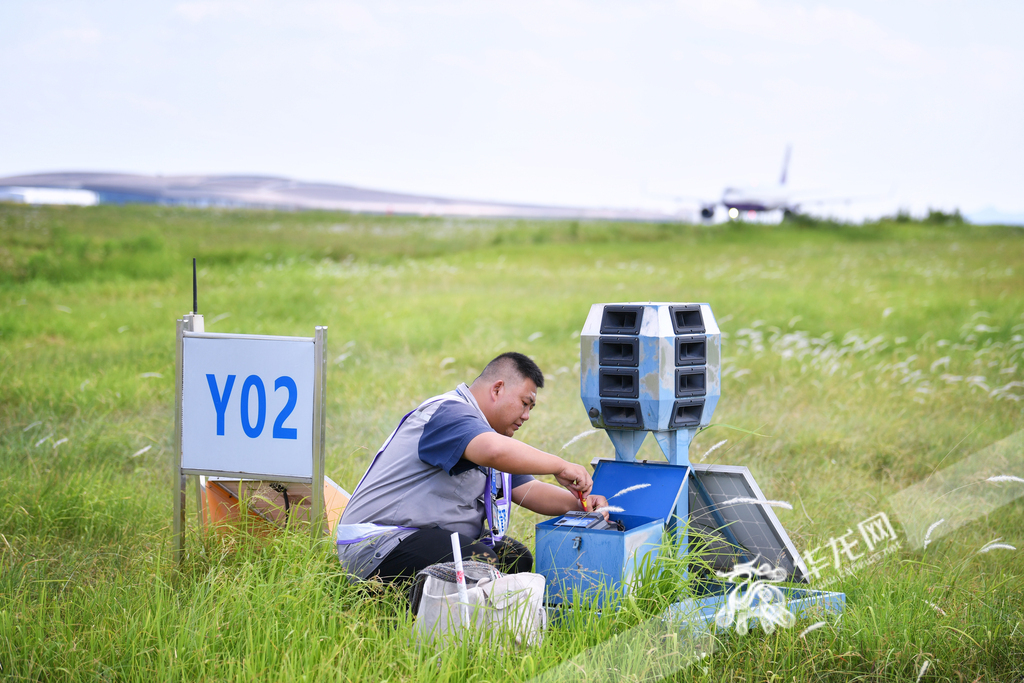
[{"x": 498, "y": 502}]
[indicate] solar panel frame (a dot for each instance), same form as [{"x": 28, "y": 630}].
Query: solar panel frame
[{"x": 778, "y": 533}]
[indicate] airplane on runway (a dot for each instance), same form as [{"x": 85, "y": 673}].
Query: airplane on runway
[
  {"x": 772, "y": 203},
  {"x": 755, "y": 200}
]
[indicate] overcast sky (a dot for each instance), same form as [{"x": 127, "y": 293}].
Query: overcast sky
[{"x": 911, "y": 104}]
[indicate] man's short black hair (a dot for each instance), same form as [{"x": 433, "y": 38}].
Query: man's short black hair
[{"x": 517, "y": 363}]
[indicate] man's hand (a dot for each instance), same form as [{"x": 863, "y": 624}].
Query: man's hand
[
  {"x": 597, "y": 502},
  {"x": 550, "y": 500},
  {"x": 575, "y": 478}
]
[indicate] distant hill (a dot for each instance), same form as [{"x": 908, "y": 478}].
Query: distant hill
[{"x": 279, "y": 193}]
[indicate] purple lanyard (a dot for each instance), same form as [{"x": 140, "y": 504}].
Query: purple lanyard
[{"x": 498, "y": 503}]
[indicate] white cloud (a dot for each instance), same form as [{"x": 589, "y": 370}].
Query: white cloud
[
  {"x": 84, "y": 35},
  {"x": 347, "y": 16},
  {"x": 796, "y": 24}
]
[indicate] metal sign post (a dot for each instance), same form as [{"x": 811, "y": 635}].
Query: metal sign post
[
  {"x": 319, "y": 431},
  {"x": 249, "y": 407}
]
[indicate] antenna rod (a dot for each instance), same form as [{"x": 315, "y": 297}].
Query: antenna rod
[{"x": 195, "y": 299}]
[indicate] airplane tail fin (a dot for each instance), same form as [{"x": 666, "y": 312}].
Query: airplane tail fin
[{"x": 785, "y": 165}]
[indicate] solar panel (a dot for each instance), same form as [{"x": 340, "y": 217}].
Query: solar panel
[{"x": 734, "y": 532}]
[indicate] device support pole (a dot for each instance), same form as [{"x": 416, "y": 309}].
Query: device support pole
[
  {"x": 178, "y": 480},
  {"x": 675, "y": 444},
  {"x": 627, "y": 442},
  {"x": 319, "y": 431},
  {"x": 682, "y": 517}
]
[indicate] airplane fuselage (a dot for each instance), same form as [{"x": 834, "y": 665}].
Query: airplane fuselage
[{"x": 755, "y": 199}]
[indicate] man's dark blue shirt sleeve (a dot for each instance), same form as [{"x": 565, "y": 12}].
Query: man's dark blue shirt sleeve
[
  {"x": 447, "y": 433},
  {"x": 520, "y": 479}
]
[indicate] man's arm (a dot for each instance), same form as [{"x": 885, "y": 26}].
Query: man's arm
[
  {"x": 550, "y": 500},
  {"x": 515, "y": 457}
]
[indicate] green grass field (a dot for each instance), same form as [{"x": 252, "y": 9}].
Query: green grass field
[{"x": 867, "y": 356}]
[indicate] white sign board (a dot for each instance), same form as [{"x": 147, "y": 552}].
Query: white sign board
[{"x": 247, "y": 405}]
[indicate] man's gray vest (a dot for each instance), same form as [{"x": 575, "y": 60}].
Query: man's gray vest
[{"x": 400, "y": 493}]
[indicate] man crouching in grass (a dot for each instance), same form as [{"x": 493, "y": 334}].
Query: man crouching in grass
[{"x": 450, "y": 465}]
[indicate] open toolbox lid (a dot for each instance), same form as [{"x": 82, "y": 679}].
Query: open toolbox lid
[{"x": 657, "y": 500}]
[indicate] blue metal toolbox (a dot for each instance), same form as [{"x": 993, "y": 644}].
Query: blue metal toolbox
[{"x": 595, "y": 564}]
